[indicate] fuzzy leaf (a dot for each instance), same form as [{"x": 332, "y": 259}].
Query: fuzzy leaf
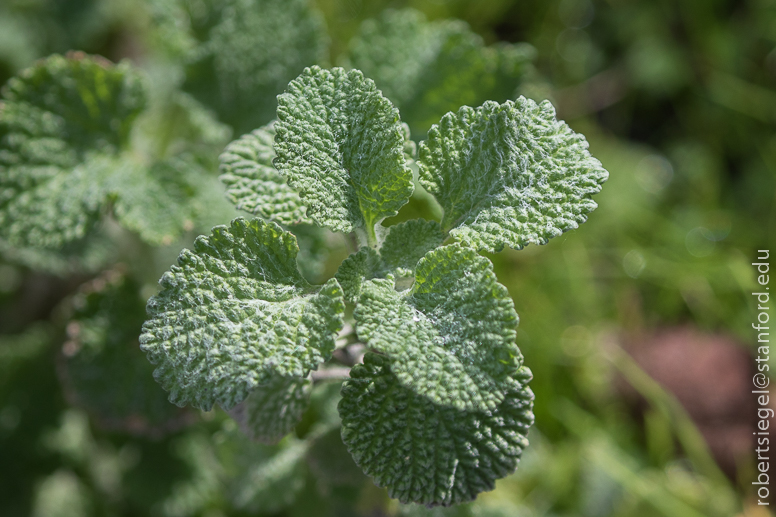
[
  {"x": 425, "y": 453},
  {"x": 509, "y": 174},
  {"x": 253, "y": 184},
  {"x": 273, "y": 409},
  {"x": 236, "y": 311},
  {"x": 407, "y": 242},
  {"x": 341, "y": 145},
  {"x": 451, "y": 336},
  {"x": 429, "y": 68},
  {"x": 363, "y": 265}
]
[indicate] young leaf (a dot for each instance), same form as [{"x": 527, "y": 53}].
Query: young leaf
[
  {"x": 355, "y": 270},
  {"x": 341, "y": 145},
  {"x": 429, "y": 68},
  {"x": 451, "y": 336},
  {"x": 61, "y": 122},
  {"x": 253, "y": 184},
  {"x": 426, "y": 453},
  {"x": 509, "y": 174},
  {"x": 405, "y": 244},
  {"x": 235, "y": 312},
  {"x": 273, "y": 409}
]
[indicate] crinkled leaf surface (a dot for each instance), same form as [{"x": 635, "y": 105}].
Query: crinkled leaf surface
[
  {"x": 241, "y": 53},
  {"x": 102, "y": 367},
  {"x": 358, "y": 268},
  {"x": 404, "y": 245},
  {"x": 234, "y": 312},
  {"x": 509, "y": 174},
  {"x": 64, "y": 127},
  {"x": 253, "y": 184},
  {"x": 429, "y": 68},
  {"x": 407, "y": 242},
  {"x": 273, "y": 409},
  {"x": 340, "y": 144},
  {"x": 451, "y": 337},
  {"x": 426, "y": 453}
]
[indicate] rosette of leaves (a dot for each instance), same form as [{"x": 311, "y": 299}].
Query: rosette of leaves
[
  {"x": 102, "y": 367},
  {"x": 240, "y": 53},
  {"x": 67, "y": 158},
  {"x": 440, "y": 408},
  {"x": 429, "y": 68}
]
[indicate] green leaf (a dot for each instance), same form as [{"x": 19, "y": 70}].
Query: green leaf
[
  {"x": 273, "y": 409},
  {"x": 102, "y": 367},
  {"x": 341, "y": 145},
  {"x": 59, "y": 122},
  {"x": 426, "y": 453},
  {"x": 509, "y": 174},
  {"x": 355, "y": 270},
  {"x": 451, "y": 336},
  {"x": 236, "y": 311},
  {"x": 252, "y": 182},
  {"x": 429, "y": 68},
  {"x": 64, "y": 131},
  {"x": 240, "y": 54},
  {"x": 407, "y": 242},
  {"x": 404, "y": 245}
]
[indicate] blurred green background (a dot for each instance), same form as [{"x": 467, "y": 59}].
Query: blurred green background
[{"x": 636, "y": 326}]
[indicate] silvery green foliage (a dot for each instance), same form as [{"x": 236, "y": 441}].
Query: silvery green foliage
[
  {"x": 425, "y": 452},
  {"x": 402, "y": 248},
  {"x": 66, "y": 159},
  {"x": 235, "y": 312},
  {"x": 509, "y": 174},
  {"x": 429, "y": 68},
  {"x": 340, "y": 144},
  {"x": 253, "y": 184},
  {"x": 440, "y": 408},
  {"x": 452, "y": 334},
  {"x": 240, "y": 54}
]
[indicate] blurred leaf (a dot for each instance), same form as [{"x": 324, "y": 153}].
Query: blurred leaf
[
  {"x": 102, "y": 367},
  {"x": 429, "y": 68}
]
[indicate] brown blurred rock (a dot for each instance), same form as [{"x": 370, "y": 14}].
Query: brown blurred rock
[{"x": 711, "y": 375}]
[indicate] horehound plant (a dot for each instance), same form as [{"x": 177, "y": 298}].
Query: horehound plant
[{"x": 439, "y": 408}]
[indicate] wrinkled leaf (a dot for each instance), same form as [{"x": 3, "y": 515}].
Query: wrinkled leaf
[
  {"x": 340, "y": 144},
  {"x": 451, "y": 337},
  {"x": 64, "y": 127},
  {"x": 425, "y": 453},
  {"x": 236, "y": 311},
  {"x": 509, "y": 174},
  {"x": 252, "y": 182}
]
